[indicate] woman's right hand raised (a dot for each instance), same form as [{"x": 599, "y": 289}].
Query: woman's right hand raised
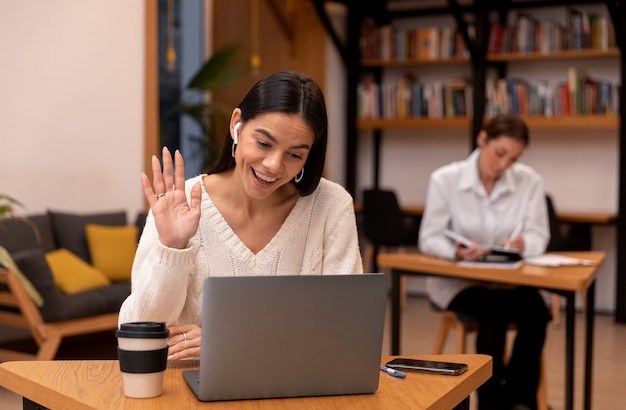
[{"x": 176, "y": 219}]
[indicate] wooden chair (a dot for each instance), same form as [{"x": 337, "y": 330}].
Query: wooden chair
[
  {"x": 18, "y": 310},
  {"x": 463, "y": 327}
]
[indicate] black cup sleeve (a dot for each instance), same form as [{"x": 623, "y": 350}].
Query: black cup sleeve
[{"x": 149, "y": 361}]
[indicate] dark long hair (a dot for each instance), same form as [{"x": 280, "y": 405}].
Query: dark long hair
[{"x": 290, "y": 93}]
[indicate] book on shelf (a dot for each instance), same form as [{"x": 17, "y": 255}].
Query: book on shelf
[
  {"x": 390, "y": 43},
  {"x": 496, "y": 38},
  {"x": 405, "y": 97},
  {"x": 529, "y": 34},
  {"x": 526, "y": 34},
  {"x": 417, "y": 110},
  {"x": 562, "y": 102},
  {"x": 458, "y": 98},
  {"x": 368, "y": 100},
  {"x": 387, "y": 42},
  {"x": 576, "y": 94},
  {"x": 433, "y": 99},
  {"x": 578, "y": 29},
  {"x": 446, "y": 45}
]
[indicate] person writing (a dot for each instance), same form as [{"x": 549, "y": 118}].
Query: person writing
[
  {"x": 262, "y": 209},
  {"x": 492, "y": 199}
]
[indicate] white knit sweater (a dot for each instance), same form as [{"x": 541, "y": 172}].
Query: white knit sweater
[{"x": 318, "y": 237}]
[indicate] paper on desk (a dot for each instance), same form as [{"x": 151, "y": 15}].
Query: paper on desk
[
  {"x": 557, "y": 260},
  {"x": 491, "y": 265}
]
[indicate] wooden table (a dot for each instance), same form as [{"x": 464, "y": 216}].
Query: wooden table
[
  {"x": 97, "y": 384},
  {"x": 566, "y": 280}
]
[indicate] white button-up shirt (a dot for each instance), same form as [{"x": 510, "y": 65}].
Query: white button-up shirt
[{"x": 457, "y": 200}]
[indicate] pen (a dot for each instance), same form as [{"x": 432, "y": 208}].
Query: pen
[
  {"x": 514, "y": 234},
  {"x": 393, "y": 372},
  {"x": 516, "y": 231}
]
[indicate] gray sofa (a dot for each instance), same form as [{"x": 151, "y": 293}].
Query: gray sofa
[{"x": 63, "y": 230}]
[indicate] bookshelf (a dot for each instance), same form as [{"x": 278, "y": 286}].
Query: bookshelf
[
  {"x": 574, "y": 101},
  {"x": 482, "y": 14}
]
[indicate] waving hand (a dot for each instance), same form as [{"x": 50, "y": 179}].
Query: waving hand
[{"x": 176, "y": 219}]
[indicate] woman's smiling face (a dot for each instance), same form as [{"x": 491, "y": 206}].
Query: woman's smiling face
[{"x": 271, "y": 151}]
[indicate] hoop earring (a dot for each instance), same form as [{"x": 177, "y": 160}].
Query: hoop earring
[
  {"x": 299, "y": 177},
  {"x": 232, "y": 149}
]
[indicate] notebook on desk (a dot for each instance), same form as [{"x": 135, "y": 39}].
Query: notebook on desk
[{"x": 290, "y": 336}]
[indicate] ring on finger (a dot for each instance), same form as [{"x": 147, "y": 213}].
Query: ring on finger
[
  {"x": 157, "y": 196},
  {"x": 185, "y": 336}
]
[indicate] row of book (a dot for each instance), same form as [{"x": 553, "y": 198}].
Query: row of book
[
  {"x": 420, "y": 43},
  {"x": 530, "y": 35},
  {"x": 578, "y": 94},
  {"x": 525, "y": 35},
  {"x": 406, "y": 98}
]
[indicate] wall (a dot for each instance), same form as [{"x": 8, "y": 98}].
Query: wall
[{"x": 71, "y": 112}]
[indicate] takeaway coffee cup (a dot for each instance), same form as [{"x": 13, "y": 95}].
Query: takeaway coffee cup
[{"x": 142, "y": 352}]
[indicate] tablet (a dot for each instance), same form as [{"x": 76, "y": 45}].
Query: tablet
[{"x": 496, "y": 254}]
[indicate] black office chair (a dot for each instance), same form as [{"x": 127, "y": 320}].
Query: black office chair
[
  {"x": 577, "y": 237},
  {"x": 385, "y": 225}
]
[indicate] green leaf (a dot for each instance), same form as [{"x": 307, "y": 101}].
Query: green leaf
[
  {"x": 11, "y": 202},
  {"x": 218, "y": 71}
]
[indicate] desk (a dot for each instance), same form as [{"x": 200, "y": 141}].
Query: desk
[
  {"x": 563, "y": 280},
  {"x": 97, "y": 384}
]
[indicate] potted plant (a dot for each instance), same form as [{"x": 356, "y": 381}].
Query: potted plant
[
  {"x": 219, "y": 71},
  {"x": 8, "y": 208}
]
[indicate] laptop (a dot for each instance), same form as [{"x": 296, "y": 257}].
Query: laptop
[{"x": 290, "y": 336}]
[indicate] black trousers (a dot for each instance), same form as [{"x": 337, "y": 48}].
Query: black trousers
[{"x": 494, "y": 309}]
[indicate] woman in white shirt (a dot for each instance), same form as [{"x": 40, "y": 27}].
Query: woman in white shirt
[
  {"x": 492, "y": 199},
  {"x": 262, "y": 209}
]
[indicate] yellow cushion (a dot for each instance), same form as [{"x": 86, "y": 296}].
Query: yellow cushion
[
  {"x": 112, "y": 249},
  {"x": 72, "y": 274}
]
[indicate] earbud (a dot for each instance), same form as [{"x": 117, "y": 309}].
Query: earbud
[{"x": 236, "y": 133}]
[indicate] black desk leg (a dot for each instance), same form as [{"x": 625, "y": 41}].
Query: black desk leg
[
  {"x": 395, "y": 312},
  {"x": 31, "y": 405},
  {"x": 570, "y": 323},
  {"x": 590, "y": 317}
]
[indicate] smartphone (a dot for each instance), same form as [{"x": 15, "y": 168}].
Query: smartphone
[{"x": 428, "y": 366}]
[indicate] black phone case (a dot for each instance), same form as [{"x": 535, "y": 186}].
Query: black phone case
[{"x": 427, "y": 366}]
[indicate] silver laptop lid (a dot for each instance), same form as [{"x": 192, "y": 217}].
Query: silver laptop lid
[{"x": 290, "y": 336}]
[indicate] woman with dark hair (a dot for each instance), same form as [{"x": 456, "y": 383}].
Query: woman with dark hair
[
  {"x": 262, "y": 209},
  {"x": 492, "y": 199}
]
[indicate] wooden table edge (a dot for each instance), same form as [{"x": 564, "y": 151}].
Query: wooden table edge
[
  {"x": 12, "y": 379},
  {"x": 404, "y": 261}
]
